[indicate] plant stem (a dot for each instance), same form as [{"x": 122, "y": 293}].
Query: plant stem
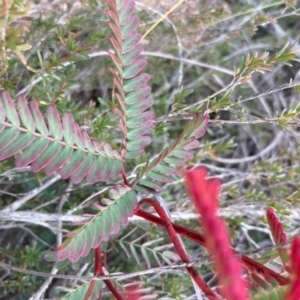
[
  {"x": 248, "y": 262},
  {"x": 210, "y": 294},
  {"x": 99, "y": 271}
]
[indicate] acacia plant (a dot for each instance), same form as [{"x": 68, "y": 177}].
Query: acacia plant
[{"x": 58, "y": 146}]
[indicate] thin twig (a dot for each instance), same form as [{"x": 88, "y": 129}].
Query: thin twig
[
  {"x": 18, "y": 203},
  {"x": 272, "y": 90},
  {"x": 159, "y": 270},
  {"x": 45, "y": 219},
  {"x": 259, "y": 155},
  {"x": 27, "y": 88}
]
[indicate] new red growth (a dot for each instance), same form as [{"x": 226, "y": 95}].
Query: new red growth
[
  {"x": 294, "y": 293},
  {"x": 205, "y": 194},
  {"x": 279, "y": 236}
]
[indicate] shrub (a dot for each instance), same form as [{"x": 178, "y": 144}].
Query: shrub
[{"x": 94, "y": 162}]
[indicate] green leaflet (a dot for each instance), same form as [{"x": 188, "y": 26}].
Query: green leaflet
[
  {"x": 59, "y": 160},
  {"x": 126, "y": 12},
  {"x": 73, "y": 164},
  {"x": 131, "y": 42},
  {"x": 38, "y": 118},
  {"x": 97, "y": 169},
  {"x": 129, "y": 27},
  {"x": 9, "y": 107},
  {"x": 18, "y": 144},
  {"x": 134, "y": 110},
  {"x": 171, "y": 158},
  {"x": 2, "y": 113},
  {"x": 160, "y": 177},
  {"x": 55, "y": 126},
  {"x": 136, "y": 83},
  {"x": 69, "y": 128},
  {"x": 45, "y": 158},
  {"x": 134, "y": 68},
  {"x": 99, "y": 227},
  {"x": 8, "y": 136},
  {"x": 141, "y": 119},
  {"x": 32, "y": 152},
  {"x": 138, "y": 144},
  {"x": 140, "y": 131},
  {"x": 134, "y": 154},
  {"x": 131, "y": 87},
  {"x": 25, "y": 114},
  {"x": 58, "y": 146},
  {"x": 81, "y": 172},
  {"x": 131, "y": 56}
]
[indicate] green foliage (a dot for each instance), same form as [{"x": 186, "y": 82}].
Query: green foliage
[
  {"x": 64, "y": 111},
  {"x": 62, "y": 146},
  {"x": 27, "y": 257},
  {"x": 114, "y": 214},
  {"x": 80, "y": 291}
]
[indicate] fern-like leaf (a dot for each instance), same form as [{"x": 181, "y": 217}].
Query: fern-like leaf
[
  {"x": 132, "y": 91},
  {"x": 59, "y": 147},
  {"x": 279, "y": 236},
  {"x": 164, "y": 168},
  {"x": 99, "y": 228}
]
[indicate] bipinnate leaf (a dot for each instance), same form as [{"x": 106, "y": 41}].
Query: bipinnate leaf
[
  {"x": 279, "y": 236},
  {"x": 164, "y": 168},
  {"x": 132, "y": 91},
  {"x": 101, "y": 226},
  {"x": 294, "y": 290},
  {"x": 58, "y": 145}
]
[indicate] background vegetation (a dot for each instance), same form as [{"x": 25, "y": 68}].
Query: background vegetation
[{"x": 230, "y": 58}]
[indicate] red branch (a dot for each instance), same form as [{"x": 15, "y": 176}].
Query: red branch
[
  {"x": 251, "y": 264},
  {"x": 99, "y": 271},
  {"x": 179, "y": 248},
  {"x": 294, "y": 292},
  {"x": 124, "y": 177},
  {"x": 205, "y": 194}
]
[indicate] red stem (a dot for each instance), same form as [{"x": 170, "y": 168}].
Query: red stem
[
  {"x": 99, "y": 271},
  {"x": 248, "y": 262},
  {"x": 124, "y": 177},
  {"x": 179, "y": 248}
]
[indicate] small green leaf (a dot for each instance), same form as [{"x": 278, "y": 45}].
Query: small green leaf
[
  {"x": 139, "y": 144},
  {"x": 131, "y": 42},
  {"x": 140, "y": 131},
  {"x": 135, "y": 68},
  {"x": 25, "y": 114},
  {"x": 38, "y": 118},
  {"x": 132, "y": 55},
  {"x": 55, "y": 127},
  {"x": 137, "y": 82},
  {"x": 8, "y": 136},
  {"x": 23, "y": 141},
  {"x": 134, "y": 110},
  {"x": 129, "y": 27},
  {"x": 9, "y": 107},
  {"x": 73, "y": 164},
  {"x": 126, "y": 12}
]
